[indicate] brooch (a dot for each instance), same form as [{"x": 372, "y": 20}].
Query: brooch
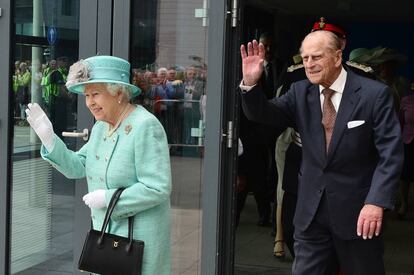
[{"x": 128, "y": 129}]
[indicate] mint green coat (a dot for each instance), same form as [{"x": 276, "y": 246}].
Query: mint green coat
[{"x": 136, "y": 156}]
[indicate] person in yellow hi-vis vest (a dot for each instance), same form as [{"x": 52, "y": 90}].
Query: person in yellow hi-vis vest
[
  {"x": 15, "y": 87},
  {"x": 54, "y": 94},
  {"x": 49, "y": 89},
  {"x": 23, "y": 78}
]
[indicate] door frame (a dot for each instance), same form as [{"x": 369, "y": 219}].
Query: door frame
[
  {"x": 5, "y": 132},
  {"x": 214, "y": 142},
  {"x": 230, "y": 77},
  {"x": 221, "y": 143}
]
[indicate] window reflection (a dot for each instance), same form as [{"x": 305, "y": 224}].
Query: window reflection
[
  {"x": 168, "y": 56},
  {"x": 46, "y": 44},
  {"x": 176, "y": 95}
]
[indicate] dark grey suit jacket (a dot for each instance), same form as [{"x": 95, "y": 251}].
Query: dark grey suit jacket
[{"x": 364, "y": 162}]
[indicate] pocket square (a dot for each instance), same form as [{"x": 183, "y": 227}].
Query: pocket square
[{"x": 355, "y": 123}]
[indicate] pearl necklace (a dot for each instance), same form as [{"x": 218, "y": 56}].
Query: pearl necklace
[{"x": 121, "y": 117}]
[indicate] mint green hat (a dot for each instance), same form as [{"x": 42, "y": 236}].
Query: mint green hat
[{"x": 100, "y": 69}]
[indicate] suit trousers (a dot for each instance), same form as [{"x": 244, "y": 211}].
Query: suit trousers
[{"x": 318, "y": 251}]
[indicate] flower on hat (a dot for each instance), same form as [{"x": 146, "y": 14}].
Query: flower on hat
[{"x": 78, "y": 72}]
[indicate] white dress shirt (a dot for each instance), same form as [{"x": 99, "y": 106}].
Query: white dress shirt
[{"x": 338, "y": 86}]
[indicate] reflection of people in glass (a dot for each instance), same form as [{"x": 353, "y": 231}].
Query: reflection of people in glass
[
  {"x": 15, "y": 86},
  {"x": 175, "y": 110},
  {"x": 144, "y": 81},
  {"x": 193, "y": 89},
  {"x": 161, "y": 90},
  {"x": 36, "y": 79},
  {"x": 23, "y": 79},
  {"x": 48, "y": 89},
  {"x": 55, "y": 95},
  {"x": 171, "y": 73},
  {"x": 127, "y": 148},
  {"x": 161, "y": 93}
]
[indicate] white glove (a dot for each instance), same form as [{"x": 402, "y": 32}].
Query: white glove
[
  {"x": 41, "y": 124},
  {"x": 95, "y": 199}
]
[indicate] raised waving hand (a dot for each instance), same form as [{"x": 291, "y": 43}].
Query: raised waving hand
[
  {"x": 252, "y": 62},
  {"x": 41, "y": 124}
]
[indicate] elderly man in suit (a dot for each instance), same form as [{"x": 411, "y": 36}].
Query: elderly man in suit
[{"x": 352, "y": 155}]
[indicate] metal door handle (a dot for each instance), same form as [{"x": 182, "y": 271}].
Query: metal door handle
[{"x": 84, "y": 134}]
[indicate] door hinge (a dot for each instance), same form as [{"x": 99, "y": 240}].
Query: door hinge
[
  {"x": 229, "y": 134},
  {"x": 202, "y": 13},
  {"x": 234, "y": 13}
]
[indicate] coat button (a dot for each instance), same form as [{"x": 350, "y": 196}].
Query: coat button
[
  {"x": 104, "y": 138},
  {"x": 113, "y": 140},
  {"x": 97, "y": 157},
  {"x": 106, "y": 158},
  {"x": 101, "y": 179}
]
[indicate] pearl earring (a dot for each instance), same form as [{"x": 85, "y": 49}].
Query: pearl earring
[{"x": 119, "y": 101}]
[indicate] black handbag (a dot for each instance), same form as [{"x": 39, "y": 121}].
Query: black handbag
[{"x": 109, "y": 254}]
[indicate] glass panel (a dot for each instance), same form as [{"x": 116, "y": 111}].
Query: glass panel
[
  {"x": 42, "y": 199},
  {"x": 168, "y": 55}
]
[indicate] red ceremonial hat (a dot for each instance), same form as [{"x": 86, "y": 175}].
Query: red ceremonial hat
[{"x": 322, "y": 25}]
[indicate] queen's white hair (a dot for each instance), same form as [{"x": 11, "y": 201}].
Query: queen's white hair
[{"x": 113, "y": 88}]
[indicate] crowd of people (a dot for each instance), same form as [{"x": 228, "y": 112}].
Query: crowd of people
[
  {"x": 44, "y": 84},
  {"x": 176, "y": 95},
  {"x": 177, "y": 98}
]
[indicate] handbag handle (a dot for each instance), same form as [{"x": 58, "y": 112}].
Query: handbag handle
[
  {"x": 111, "y": 206},
  {"x": 110, "y": 209}
]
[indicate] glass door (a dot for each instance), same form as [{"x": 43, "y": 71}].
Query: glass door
[
  {"x": 42, "y": 200},
  {"x": 168, "y": 53},
  {"x": 5, "y": 56}
]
